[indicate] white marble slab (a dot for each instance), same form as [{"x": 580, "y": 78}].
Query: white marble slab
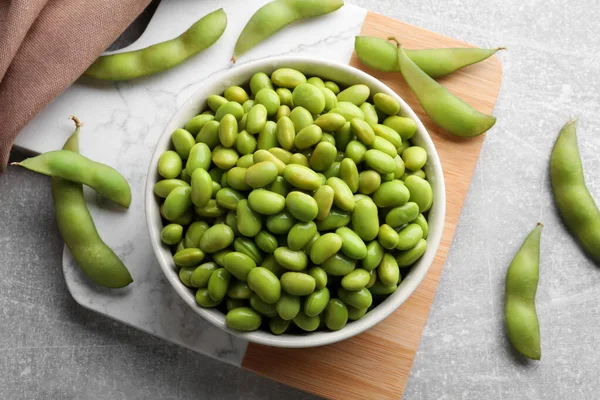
[{"x": 123, "y": 121}]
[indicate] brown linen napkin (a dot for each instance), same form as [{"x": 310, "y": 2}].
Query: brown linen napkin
[{"x": 45, "y": 45}]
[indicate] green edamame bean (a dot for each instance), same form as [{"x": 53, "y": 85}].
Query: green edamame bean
[
  {"x": 386, "y": 103},
  {"x": 311, "y": 242},
  {"x": 343, "y": 136},
  {"x": 335, "y": 219},
  {"x": 231, "y": 304},
  {"x": 388, "y": 271},
  {"x": 310, "y": 97},
  {"x": 324, "y": 247},
  {"x": 280, "y": 186},
  {"x": 216, "y": 238},
  {"x": 280, "y": 223},
  {"x": 236, "y": 178},
  {"x": 177, "y": 202},
  {"x": 363, "y": 131},
  {"x": 278, "y": 326},
  {"x": 316, "y": 302},
  {"x": 380, "y": 161},
  {"x": 379, "y": 289},
  {"x": 352, "y": 244},
  {"x": 324, "y": 198},
  {"x": 355, "y": 94},
  {"x": 302, "y": 206},
  {"x": 194, "y": 232},
  {"x": 209, "y": 134},
  {"x": 370, "y": 113},
  {"x": 204, "y": 300},
  {"x": 224, "y": 158},
  {"x": 169, "y": 164},
  {"x": 201, "y": 189},
  {"x": 332, "y": 86},
  {"x": 284, "y": 155},
  {"x": 264, "y": 155},
  {"x": 288, "y": 306},
  {"x": 336, "y": 315},
  {"x": 368, "y": 181},
  {"x": 261, "y": 174},
  {"x": 420, "y": 192},
  {"x": 287, "y": 78},
  {"x": 339, "y": 265},
  {"x": 356, "y": 280},
  {"x": 285, "y": 96},
  {"x": 374, "y": 256},
  {"x": 391, "y": 194},
  {"x": 249, "y": 248},
  {"x": 355, "y": 150},
  {"x": 229, "y": 198},
  {"x": 247, "y": 105},
  {"x": 349, "y": 174},
  {"x": 268, "y": 98},
  {"x": 271, "y": 264},
  {"x": 409, "y": 257},
  {"x": 182, "y": 141},
  {"x": 239, "y": 290},
  {"x": 330, "y": 99},
  {"x": 316, "y": 81},
  {"x": 387, "y": 177},
  {"x": 323, "y": 156},
  {"x": 161, "y": 56},
  {"x": 259, "y": 81},
  {"x": 231, "y": 107},
  {"x": 188, "y": 257},
  {"x": 343, "y": 197},
  {"x": 199, "y": 157},
  {"x": 247, "y": 160},
  {"x": 215, "y": 101},
  {"x": 300, "y": 234},
  {"x": 348, "y": 110},
  {"x": 384, "y": 146},
  {"x": 387, "y": 133},
  {"x": 282, "y": 111},
  {"x": 266, "y": 202},
  {"x": 400, "y": 168},
  {"x": 195, "y": 124},
  {"x": 285, "y": 133},
  {"x": 218, "y": 284},
  {"x": 356, "y": 313},
  {"x": 328, "y": 137},
  {"x": 332, "y": 171},
  {"x": 228, "y": 131},
  {"x": 290, "y": 259},
  {"x": 365, "y": 220},
  {"x": 265, "y": 284},
  {"x": 306, "y": 323},
  {"x": 414, "y": 158},
  {"x": 163, "y": 187},
  {"x": 243, "y": 319},
  {"x": 172, "y": 233},
  {"x": 445, "y": 109},
  {"x": 201, "y": 274},
  {"x": 219, "y": 256},
  {"x": 399, "y": 216},
  {"x": 245, "y": 144},
  {"x": 409, "y": 236},
  {"x": 236, "y": 93},
  {"x": 319, "y": 275},
  {"x": 360, "y": 298},
  {"x": 387, "y": 236},
  {"x": 249, "y": 221},
  {"x": 238, "y": 264},
  {"x": 422, "y": 222},
  {"x": 210, "y": 210},
  {"x": 358, "y": 197},
  {"x": 520, "y": 316},
  {"x": 184, "y": 219},
  {"x": 405, "y": 127},
  {"x": 266, "y": 241},
  {"x": 330, "y": 122},
  {"x": 297, "y": 283},
  {"x": 308, "y": 136},
  {"x": 301, "y": 118},
  {"x": 267, "y": 137},
  {"x": 420, "y": 173}
]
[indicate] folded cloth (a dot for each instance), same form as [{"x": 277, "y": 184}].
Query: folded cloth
[{"x": 45, "y": 45}]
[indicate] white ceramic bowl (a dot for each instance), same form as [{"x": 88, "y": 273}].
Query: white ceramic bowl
[{"x": 344, "y": 74}]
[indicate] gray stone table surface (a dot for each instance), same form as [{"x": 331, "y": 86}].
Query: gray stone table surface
[{"x": 50, "y": 348}]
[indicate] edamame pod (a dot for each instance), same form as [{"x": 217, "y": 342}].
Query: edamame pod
[{"x": 520, "y": 316}]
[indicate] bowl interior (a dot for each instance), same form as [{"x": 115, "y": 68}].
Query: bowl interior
[{"x": 342, "y": 74}]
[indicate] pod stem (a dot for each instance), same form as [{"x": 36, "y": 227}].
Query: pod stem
[
  {"x": 393, "y": 39},
  {"x": 78, "y": 123},
  {"x": 233, "y": 59}
]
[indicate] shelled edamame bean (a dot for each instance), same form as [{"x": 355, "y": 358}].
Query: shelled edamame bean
[{"x": 295, "y": 219}]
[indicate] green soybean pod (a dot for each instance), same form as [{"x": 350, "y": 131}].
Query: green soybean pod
[
  {"x": 370, "y": 114},
  {"x": 323, "y": 156},
  {"x": 306, "y": 323},
  {"x": 336, "y": 315},
  {"x": 194, "y": 232},
  {"x": 195, "y": 124},
  {"x": 245, "y": 144},
  {"x": 259, "y": 81},
  {"x": 324, "y": 198},
  {"x": 201, "y": 189},
  {"x": 420, "y": 192},
  {"x": 209, "y": 134},
  {"x": 266, "y": 241},
  {"x": 204, "y": 300},
  {"x": 399, "y": 216},
  {"x": 355, "y": 94},
  {"x": 446, "y": 110},
  {"x": 202, "y": 274},
  {"x": 368, "y": 181},
  {"x": 285, "y": 133},
  {"x": 287, "y": 77},
  {"x": 388, "y": 237},
  {"x": 409, "y": 236},
  {"x": 218, "y": 284},
  {"x": 355, "y": 150},
  {"x": 297, "y": 283},
  {"x": 216, "y": 238},
  {"x": 374, "y": 255},
  {"x": 319, "y": 275},
  {"x": 388, "y": 271},
  {"x": 265, "y": 284},
  {"x": 280, "y": 223},
  {"x": 352, "y": 244},
  {"x": 356, "y": 280},
  {"x": 360, "y": 299},
  {"x": 182, "y": 141},
  {"x": 365, "y": 220},
  {"x": 316, "y": 302},
  {"x": 161, "y": 56},
  {"x": 522, "y": 325},
  {"x": 300, "y": 234},
  {"x": 257, "y": 118},
  {"x": 408, "y": 257},
  {"x": 349, "y": 174},
  {"x": 288, "y": 306},
  {"x": 243, "y": 319},
  {"x": 339, "y": 265},
  {"x": 335, "y": 219},
  {"x": 301, "y": 118}
]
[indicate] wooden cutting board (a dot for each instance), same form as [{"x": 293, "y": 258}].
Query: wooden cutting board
[{"x": 376, "y": 364}]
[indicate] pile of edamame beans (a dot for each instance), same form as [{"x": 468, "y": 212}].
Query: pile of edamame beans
[{"x": 293, "y": 205}]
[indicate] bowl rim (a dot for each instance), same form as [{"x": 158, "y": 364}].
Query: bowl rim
[{"x": 231, "y": 76}]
